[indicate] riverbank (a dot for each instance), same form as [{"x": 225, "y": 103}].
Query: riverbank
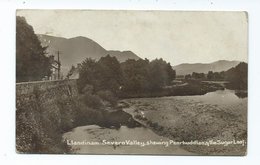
[
  {"x": 216, "y": 116},
  {"x": 46, "y": 110},
  {"x": 187, "y": 88},
  {"x": 111, "y": 116}
]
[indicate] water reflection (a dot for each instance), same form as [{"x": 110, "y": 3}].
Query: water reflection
[{"x": 220, "y": 97}]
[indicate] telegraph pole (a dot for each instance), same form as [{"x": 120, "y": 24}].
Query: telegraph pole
[{"x": 59, "y": 64}]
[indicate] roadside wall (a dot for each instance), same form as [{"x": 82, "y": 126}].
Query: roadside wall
[{"x": 43, "y": 110}]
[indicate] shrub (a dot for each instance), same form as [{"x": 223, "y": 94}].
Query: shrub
[
  {"x": 92, "y": 101},
  {"x": 108, "y": 96},
  {"x": 88, "y": 89},
  {"x": 138, "y": 116}
]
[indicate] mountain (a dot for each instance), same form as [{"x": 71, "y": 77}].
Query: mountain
[
  {"x": 218, "y": 66},
  {"x": 75, "y": 50},
  {"x": 123, "y": 56}
]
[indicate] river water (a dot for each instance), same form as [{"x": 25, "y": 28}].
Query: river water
[{"x": 92, "y": 139}]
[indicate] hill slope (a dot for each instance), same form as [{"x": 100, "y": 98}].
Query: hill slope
[
  {"x": 218, "y": 66},
  {"x": 75, "y": 50}
]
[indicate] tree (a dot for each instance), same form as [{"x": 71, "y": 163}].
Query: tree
[
  {"x": 31, "y": 62},
  {"x": 88, "y": 74},
  {"x": 210, "y": 75},
  {"x": 188, "y": 76},
  {"x": 71, "y": 71},
  {"x": 198, "y": 75},
  {"x": 135, "y": 73},
  {"x": 131, "y": 76},
  {"x": 171, "y": 73},
  {"x": 216, "y": 75},
  {"x": 105, "y": 74},
  {"x": 143, "y": 75},
  {"x": 110, "y": 74},
  {"x": 237, "y": 76},
  {"x": 158, "y": 75}
]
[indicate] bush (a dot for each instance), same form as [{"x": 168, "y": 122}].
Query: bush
[
  {"x": 108, "y": 96},
  {"x": 92, "y": 101},
  {"x": 68, "y": 107},
  {"x": 88, "y": 89},
  {"x": 86, "y": 115},
  {"x": 138, "y": 116}
]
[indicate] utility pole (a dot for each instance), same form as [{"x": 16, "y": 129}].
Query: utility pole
[{"x": 59, "y": 64}]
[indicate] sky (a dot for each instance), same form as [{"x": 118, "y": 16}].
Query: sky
[{"x": 176, "y": 36}]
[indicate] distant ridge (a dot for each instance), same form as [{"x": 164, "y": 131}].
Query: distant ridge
[
  {"x": 218, "y": 66},
  {"x": 75, "y": 50}
]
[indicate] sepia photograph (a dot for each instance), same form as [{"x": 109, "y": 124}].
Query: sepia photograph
[{"x": 147, "y": 82}]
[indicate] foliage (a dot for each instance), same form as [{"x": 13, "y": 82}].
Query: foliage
[
  {"x": 109, "y": 74},
  {"x": 160, "y": 74},
  {"x": 104, "y": 74},
  {"x": 198, "y": 75},
  {"x": 188, "y": 76},
  {"x": 71, "y": 71},
  {"x": 91, "y": 100},
  {"x": 142, "y": 75},
  {"x": 135, "y": 76},
  {"x": 31, "y": 62},
  {"x": 108, "y": 96},
  {"x": 237, "y": 76},
  {"x": 216, "y": 75}
]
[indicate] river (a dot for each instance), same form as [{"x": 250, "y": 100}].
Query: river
[{"x": 92, "y": 139}]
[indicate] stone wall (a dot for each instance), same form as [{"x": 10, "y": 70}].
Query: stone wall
[
  {"x": 44, "y": 91},
  {"x": 44, "y": 110}
]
